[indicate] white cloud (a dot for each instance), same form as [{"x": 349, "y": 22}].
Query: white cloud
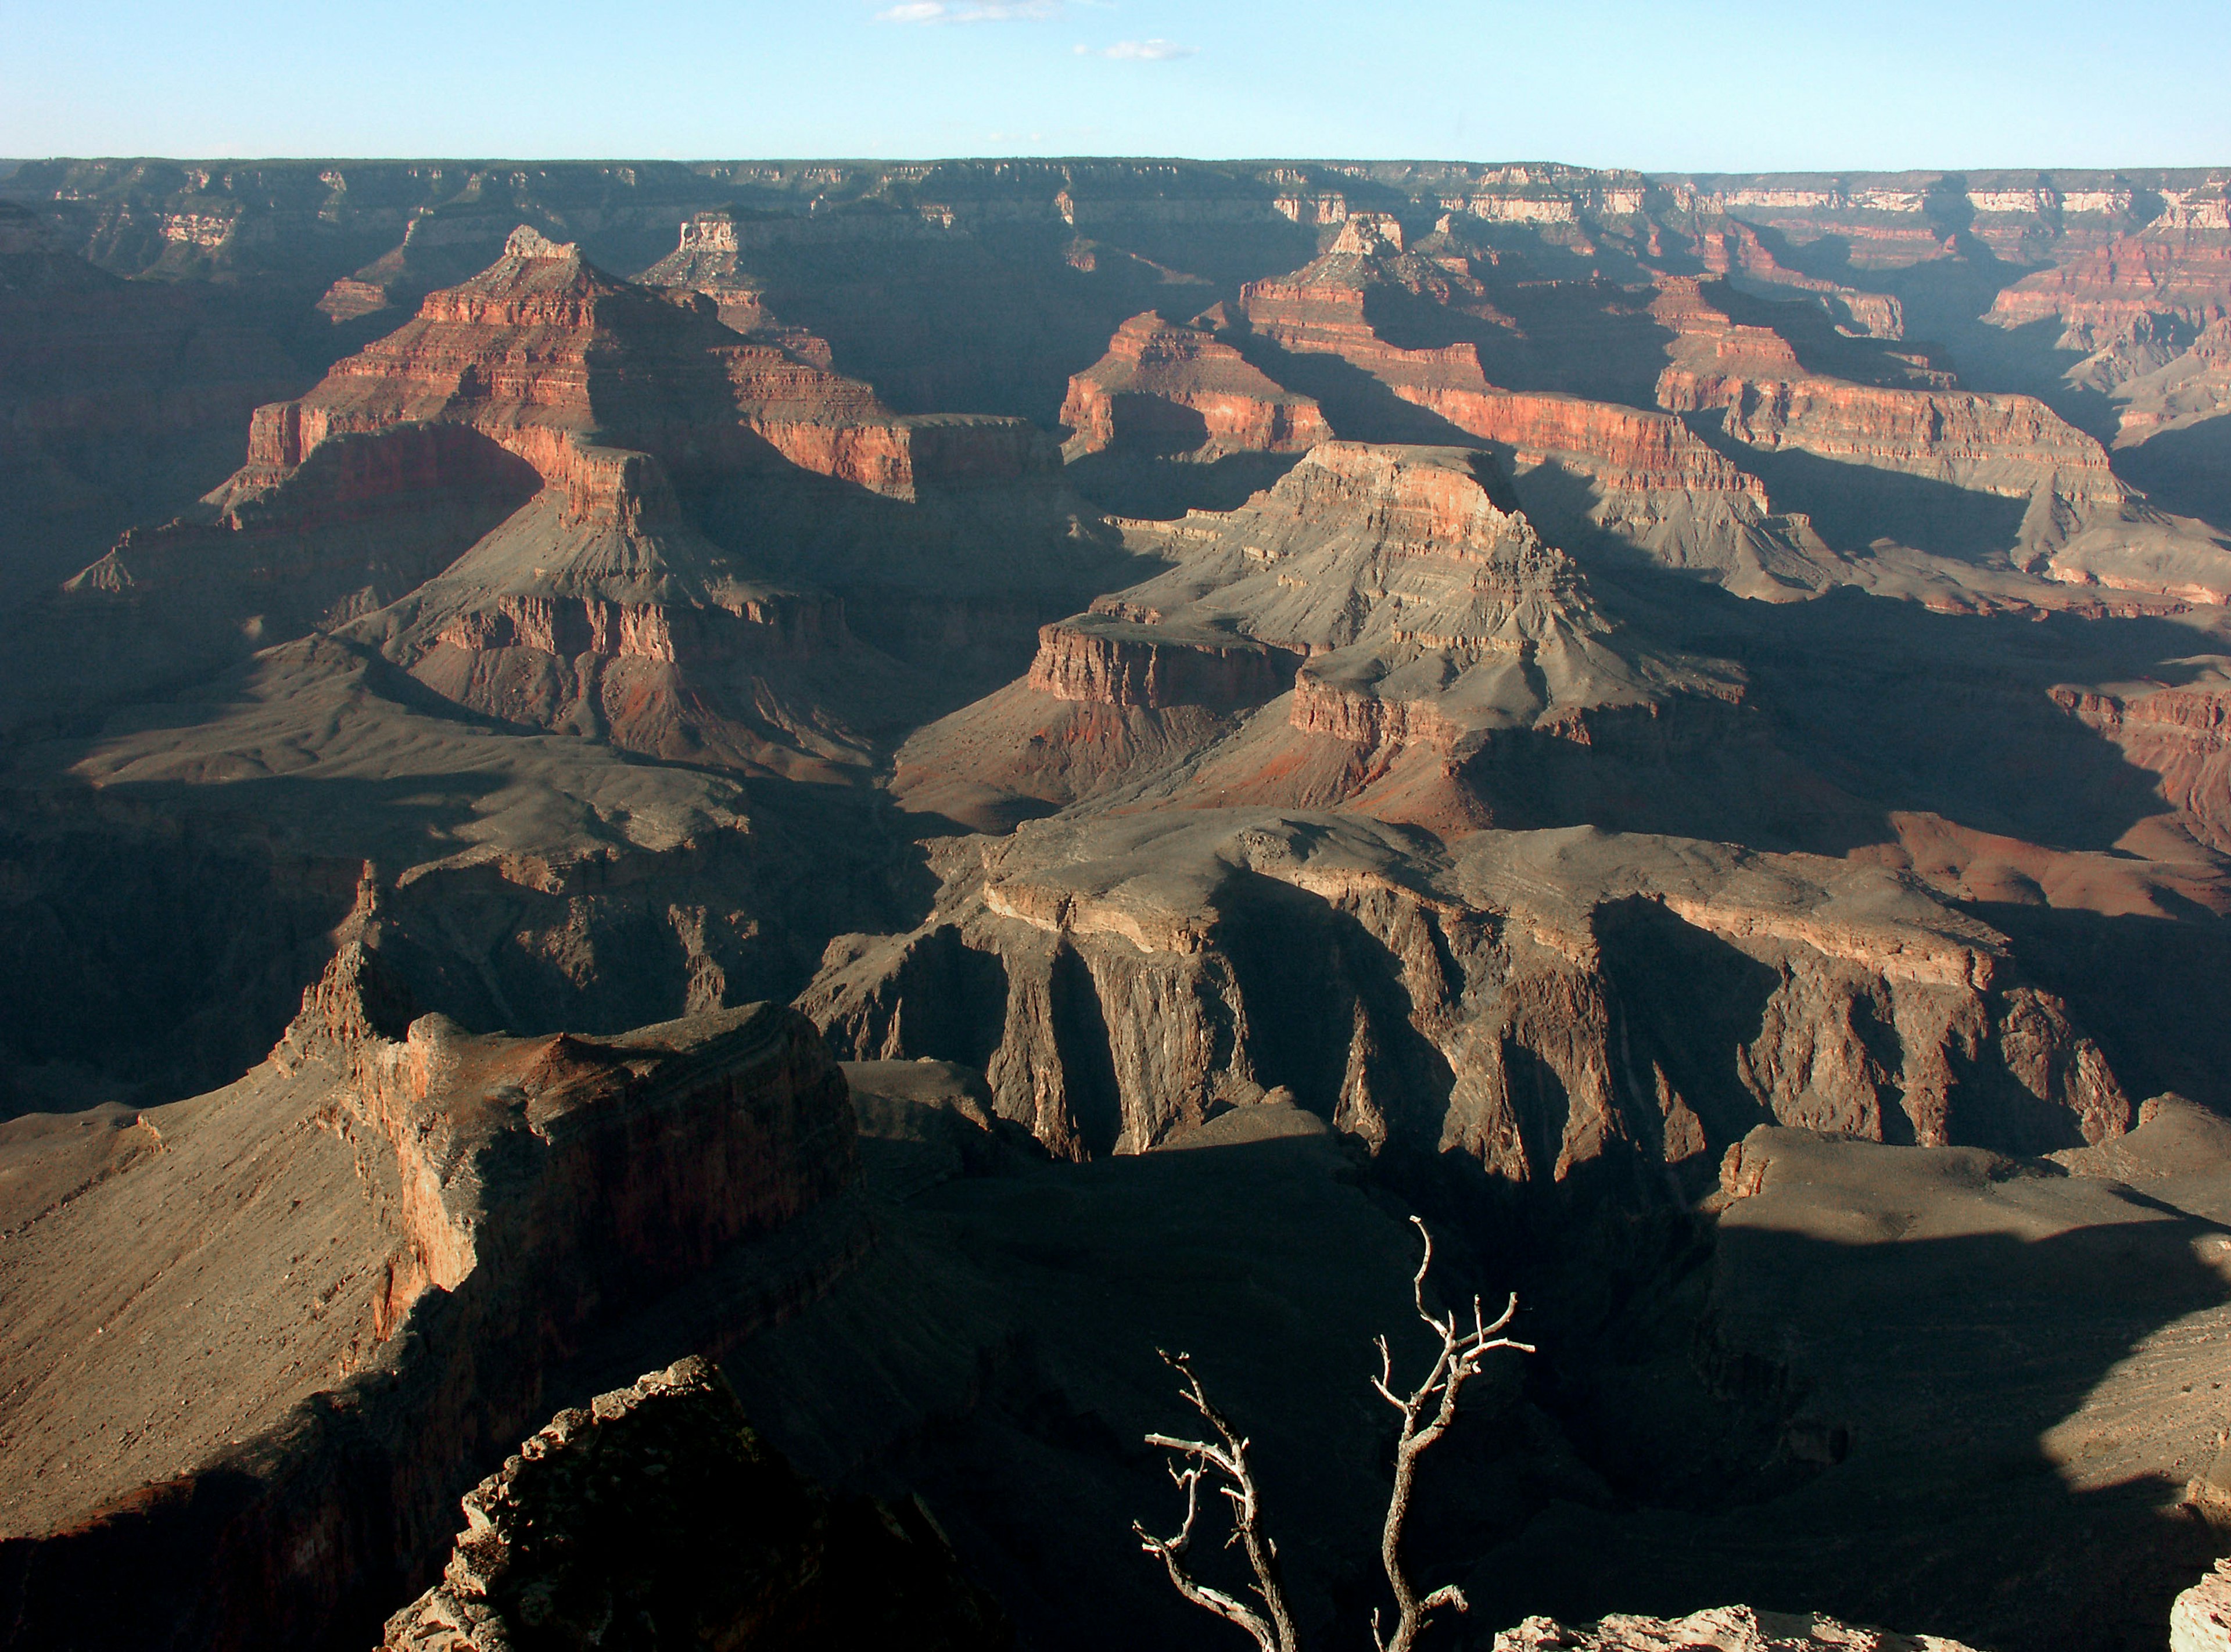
[
  {"x": 966, "y": 12},
  {"x": 1140, "y": 51}
]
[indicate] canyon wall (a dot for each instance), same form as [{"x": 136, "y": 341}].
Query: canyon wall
[
  {"x": 1561, "y": 1009},
  {"x": 534, "y": 1190}
]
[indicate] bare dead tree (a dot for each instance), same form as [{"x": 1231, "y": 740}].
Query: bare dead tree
[
  {"x": 1227, "y": 1457},
  {"x": 1427, "y": 1411}
]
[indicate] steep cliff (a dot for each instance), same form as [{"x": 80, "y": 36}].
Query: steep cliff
[
  {"x": 2082, "y": 526},
  {"x": 1574, "y": 1008},
  {"x": 1645, "y": 480},
  {"x": 349, "y": 1277}
]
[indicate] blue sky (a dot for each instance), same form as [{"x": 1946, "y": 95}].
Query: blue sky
[{"x": 1673, "y": 85}]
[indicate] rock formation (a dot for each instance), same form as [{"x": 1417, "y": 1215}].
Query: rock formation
[
  {"x": 1650, "y": 484},
  {"x": 1401, "y": 597},
  {"x": 655, "y": 1512},
  {"x": 1178, "y": 390},
  {"x": 1355, "y": 764},
  {"x": 1724, "y": 1628},
  {"x": 2202, "y": 1620},
  {"x": 351, "y": 1275},
  {"x": 1522, "y": 999}
]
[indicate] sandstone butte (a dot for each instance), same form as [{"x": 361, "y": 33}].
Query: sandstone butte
[
  {"x": 1392, "y": 610},
  {"x": 501, "y": 424},
  {"x": 1168, "y": 388}
]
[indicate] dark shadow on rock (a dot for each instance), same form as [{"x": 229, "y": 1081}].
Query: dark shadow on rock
[
  {"x": 1852, "y": 505},
  {"x": 1125, "y": 484},
  {"x": 1690, "y": 1002},
  {"x": 2149, "y": 990},
  {"x": 1087, "y": 1056},
  {"x": 1359, "y": 407},
  {"x": 1935, "y": 1368},
  {"x": 2185, "y": 472}
]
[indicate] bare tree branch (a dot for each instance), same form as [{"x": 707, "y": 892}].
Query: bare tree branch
[
  {"x": 1272, "y": 1628},
  {"x": 1426, "y": 1414},
  {"x": 1427, "y": 1411}
]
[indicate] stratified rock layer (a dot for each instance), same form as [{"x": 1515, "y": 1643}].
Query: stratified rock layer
[
  {"x": 1562, "y": 1008},
  {"x": 1173, "y": 389}
]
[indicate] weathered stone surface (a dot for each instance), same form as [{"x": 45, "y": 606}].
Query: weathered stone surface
[
  {"x": 1723, "y": 1628},
  {"x": 2200, "y": 1621},
  {"x": 1155, "y": 375}
]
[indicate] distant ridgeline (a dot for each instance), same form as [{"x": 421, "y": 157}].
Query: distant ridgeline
[{"x": 140, "y": 216}]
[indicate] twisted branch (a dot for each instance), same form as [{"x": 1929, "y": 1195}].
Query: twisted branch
[
  {"x": 1226, "y": 1456},
  {"x": 1427, "y": 1413}
]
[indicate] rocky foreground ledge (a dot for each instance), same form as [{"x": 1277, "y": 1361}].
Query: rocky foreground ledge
[
  {"x": 1724, "y": 1628},
  {"x": 657, "y": 1517}
]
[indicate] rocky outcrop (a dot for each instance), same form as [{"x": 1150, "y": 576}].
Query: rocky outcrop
[
  {"x": 1420, "y": 622},
  {"x": 1180, "y": 390},
  {"x": 1651, "y": 482},
  {"x": 1564, "y": 1009},
  {"x": 657, "y": 1507},
  {"x": 486, "y": 1205},
  {"x": 2181, "y": 733},
  {"x": 1103, "y": 660},
  {"x": 1724, "y": 1628},
  {"x": 2201, "y": 1622},
  {"x": 1408, "y": 578},
  {"x": 2010, "y": 445}
]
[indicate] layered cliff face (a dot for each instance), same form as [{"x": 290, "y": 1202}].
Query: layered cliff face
[
  {"x": 2010, "y": 445},
  {"x": 2132, "y": 304},
  {"x": 1408, "y": 578},
  {"x": 1645, "y": 480},
  {"x": 2182, "y": 733},
  {"x": 1174, "y": 389},
  {"x": 350, "y": 1275},
  {"x": 522, "y": 439},
  {"x": 2083, "y": 524},
  {"x": 1564, "y": 1009},
  {"x": 1391, "y": 609}
]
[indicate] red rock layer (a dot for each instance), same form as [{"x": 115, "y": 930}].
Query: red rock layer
[
  {"x": 1734, "y": 248},
  {"x": 1321, "y": 309},
  {"x": 542, "y": 352},
  {"x": 2009, "y": 445},
  {"x": 1368, "y": 721},
  {"x": 2182, "y": 734},
  {"x": 2097, "y": 295},
  {"x": 1099, "y": 659},
  {"x": 1155, "y": 374},
  {"x": 2003, "y": 444}
]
